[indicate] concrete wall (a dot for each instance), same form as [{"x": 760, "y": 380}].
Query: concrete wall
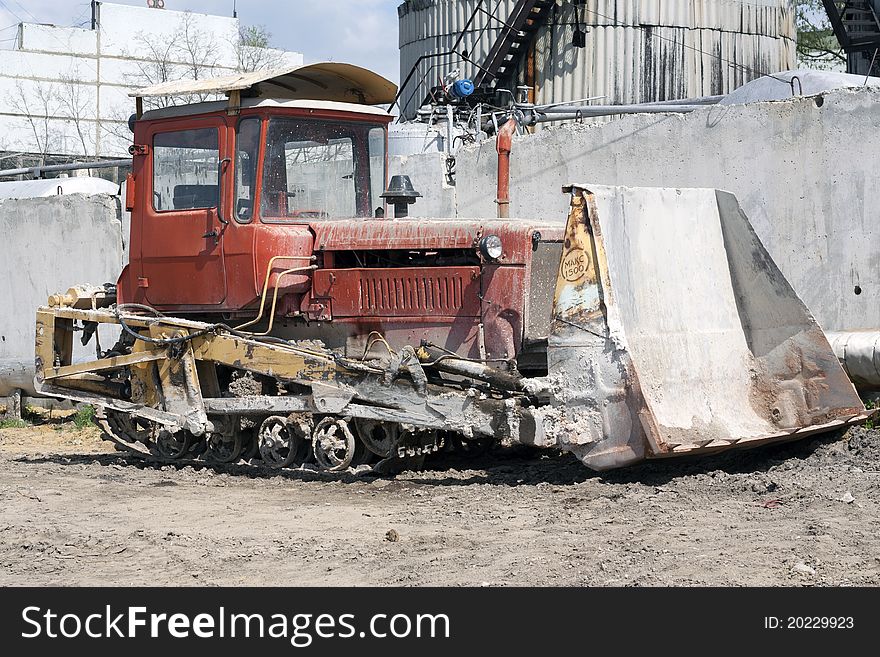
[
  {"x": 48, "y": 245},
  {"x": 80, "y": 78},
  {"x": 803, "y": 170}
]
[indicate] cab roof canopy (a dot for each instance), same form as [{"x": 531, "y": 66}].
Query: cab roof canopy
[{"x": 325, "y": 81}]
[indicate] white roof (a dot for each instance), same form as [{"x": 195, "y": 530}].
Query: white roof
[
  {"x": 216, "y": 106},
  {"x": 331, "y": 81},
  {"x": 56, "y": 186},
  {"x": 788, "y": 84}
]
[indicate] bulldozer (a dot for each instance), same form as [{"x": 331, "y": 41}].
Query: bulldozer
[{"x": 273, "y": 309}]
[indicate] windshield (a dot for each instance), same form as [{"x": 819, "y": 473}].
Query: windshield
[{"x": 319, "y": 169}]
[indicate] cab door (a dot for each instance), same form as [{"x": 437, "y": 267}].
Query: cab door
[{"x": 182, "y": 253}]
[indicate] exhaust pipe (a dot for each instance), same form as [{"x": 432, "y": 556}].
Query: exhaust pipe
[{"x": 504, "y": 145}]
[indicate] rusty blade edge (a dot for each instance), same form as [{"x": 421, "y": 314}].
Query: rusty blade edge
[{"x": 757, "y": 441}]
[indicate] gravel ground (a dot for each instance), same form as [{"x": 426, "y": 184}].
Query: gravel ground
[{"x": 73, "y": 512}]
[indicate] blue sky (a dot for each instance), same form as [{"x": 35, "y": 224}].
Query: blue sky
[{"x": 362, "y": 32}]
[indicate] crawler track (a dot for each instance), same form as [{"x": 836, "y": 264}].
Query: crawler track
[
  {"x": 144, "y": 440},
  {"x": 117, "y": 428}
]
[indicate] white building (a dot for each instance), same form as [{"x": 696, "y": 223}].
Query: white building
[{"x": 64, "y": 90}]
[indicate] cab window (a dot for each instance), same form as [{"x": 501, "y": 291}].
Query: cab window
[
  {"x": 185, "y": 169},
  {"x": 320, "y": 169},
  {"x": 247, "y": 146}
]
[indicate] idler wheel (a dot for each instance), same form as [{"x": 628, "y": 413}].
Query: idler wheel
[{"x": 381, "y": 438}]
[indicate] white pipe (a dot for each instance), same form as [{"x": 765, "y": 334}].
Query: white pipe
[
  {"x": 859, "y": 353},
  {"x": 38, "y": 171}
]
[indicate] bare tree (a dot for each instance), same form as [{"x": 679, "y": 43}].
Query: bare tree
[
  {"x": 155, "y": 63},
  {"x": 38, "y": 110},
  {"x": 196, "y": 48},
  {"x": 76, "y": 107},
  {"x": 7, "y": 153},
  {"x": 188, "y": 54},
  {"x": 46, "y": 110},
  {"x": 194, "y": 54}
]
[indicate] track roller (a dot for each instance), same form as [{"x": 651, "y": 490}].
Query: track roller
[
  {"x": 173, "y": 446},
  {"x": 225, "y": 444},
  {"x": 283, "y": 443},
  {"x": 223, "y": 447},
  {"x": 335, "y": 446}
]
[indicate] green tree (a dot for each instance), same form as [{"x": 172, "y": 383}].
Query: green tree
[
  {"x": 254, "y": 50},
  {"x": 255, "y": 36},
  {"x": 817, "y": 46}
]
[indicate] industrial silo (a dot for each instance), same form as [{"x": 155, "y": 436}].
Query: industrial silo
[{"x": 624, "y": 51}]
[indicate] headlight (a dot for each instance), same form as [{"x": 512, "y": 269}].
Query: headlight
[{"x": 491, "y": 247}]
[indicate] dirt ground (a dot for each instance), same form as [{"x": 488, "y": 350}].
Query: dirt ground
[{"x": 74, "y": 512}]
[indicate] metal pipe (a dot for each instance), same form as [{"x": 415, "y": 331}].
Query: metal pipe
[
  {"x": 450, "y": 131},
  {"x": 559, "y": 112},
  {"x": 702, "y": 100},
  {"x": 570, "y": 102},
  {"x": 504, "y": 145},
  {"x": 453, "y": 364},
  {"x": 610, "y": 110},
  {"x": 37, "y": 172},
  {"x": 278, "y": 278},
  {"x": 269, "y": 268},
  {"x": 533, "y": 118},
  {"x": 859, "y": 354}
]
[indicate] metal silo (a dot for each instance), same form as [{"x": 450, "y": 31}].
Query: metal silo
[{"x": 633, "y": 51}]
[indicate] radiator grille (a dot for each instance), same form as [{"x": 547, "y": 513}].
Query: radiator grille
[
  {"x": 402, "y": 292},
  {"x": 411, "y": 295}
]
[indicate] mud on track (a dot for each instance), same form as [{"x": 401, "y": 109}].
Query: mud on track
[{"x": 72, "y": 512}]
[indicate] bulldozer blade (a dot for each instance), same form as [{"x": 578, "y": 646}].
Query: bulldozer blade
[{"x": 674, "y": 332}]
